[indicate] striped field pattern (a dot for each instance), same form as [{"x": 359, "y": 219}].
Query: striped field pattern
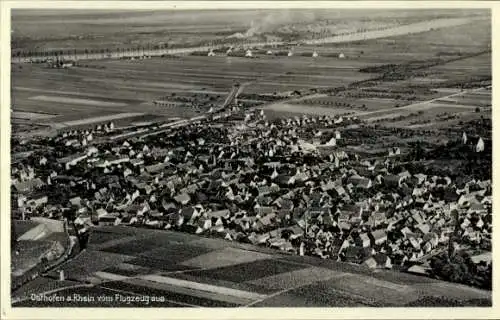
[{"x": 185, "y": 273}]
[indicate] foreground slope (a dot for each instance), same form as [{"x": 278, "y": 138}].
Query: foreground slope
[{"x": 182, "y": 270}]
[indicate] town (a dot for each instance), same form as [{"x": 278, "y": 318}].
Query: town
[{"x": 301, "y": 185}]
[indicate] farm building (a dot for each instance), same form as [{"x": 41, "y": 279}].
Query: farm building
[{"x": 59, "y": 64}]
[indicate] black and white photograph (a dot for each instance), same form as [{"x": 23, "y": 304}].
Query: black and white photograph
[{"x": 234, "y": 158}]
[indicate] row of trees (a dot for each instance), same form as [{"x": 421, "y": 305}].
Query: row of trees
[
  {"x": 52, "y": 53},
  {"x": 17, "y": 53}
]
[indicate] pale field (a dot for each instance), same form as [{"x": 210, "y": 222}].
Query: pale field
[
  {"x": 306, "y": 109},
  {"x": 30, "y": 115},
  {"x": 65, "y": 100}
]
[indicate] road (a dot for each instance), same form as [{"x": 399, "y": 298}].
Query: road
[
  {"x": 422, "y": 104},
  {"x": 358, "y": 36}
]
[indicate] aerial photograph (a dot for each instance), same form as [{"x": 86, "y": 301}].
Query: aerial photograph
[{"x": 229, "y": 158}]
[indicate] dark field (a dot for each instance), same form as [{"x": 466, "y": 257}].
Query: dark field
[{"x": 248, "y": 271}]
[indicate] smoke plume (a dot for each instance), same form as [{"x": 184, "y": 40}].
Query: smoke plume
[{"x": 273, "y": 21}]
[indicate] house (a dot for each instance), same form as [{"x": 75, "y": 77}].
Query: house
[
  {"x": 101, "y": 212},
  {"x": 285, "y": 180},
  {"x": 189, "y": 214},
  {"x": 330, "y": 185},
  {"x": 478, "y": 208},
  {"x": 28, "y": 185},
  {"x": 36, "y": 201},
  {"x": 354, "y": 255},
  {"x": 345, "y": 226},
  {"x": 377, "y": 218},
  {"x": 265, "y": 222},
  {"x": 427, "y": 247},
  {"x": 281, "y": 244},
  {"x": 393, "y": 181},
  {"x": 76, "y": 201},
  {"x": 419, "y": 192},
  {"x": 418, "y": 270},
  {"x": 360, "y": 182},
  {"x": 177, "y": 219},
  {"x": 169, "y": 207},
  {"x": 71, "y": 161},
  {"x": 424, "y": 228},
  {"x": 340, "y": 191},
  {"x": 328, "y": 220},
  {"x": 296, "y": 232},
  {"x": 417, "y": 218},
  {"x": 350, "y": 213},
  {"x": 109, "y": 220},
  {"x": 218, "y": 215},
  {"x": 414, "y": 243},
  {"x": 363, "y": 240},
  {"x": 137, "y": 162},
  {"x": 182, "y": 198},
  {"x": 155, "y": 168},
  {"x": 467, "y": 200},
  {"x": 378, "y": 261},
  {"x": 378, "y": 237},
  {"x": 483, "y": 257},
  {"x": 203, "y": 224},
  {"x": 431, "y": 238},
  {"x": 263, "y": 211},
  {"x": 232, "y": 235}
]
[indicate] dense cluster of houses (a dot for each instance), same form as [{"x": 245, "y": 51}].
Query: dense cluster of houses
[{"x": 290, "y": 184}]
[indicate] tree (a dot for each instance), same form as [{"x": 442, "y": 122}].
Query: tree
[{"x": 13, "y": 235}]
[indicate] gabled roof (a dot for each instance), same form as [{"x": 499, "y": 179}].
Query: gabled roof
[
  {"x": 218, "y": 213},
  {"x": 379, "y": 234}
]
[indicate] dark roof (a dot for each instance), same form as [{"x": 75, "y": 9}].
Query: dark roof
[{"x": 187, "y": 212}]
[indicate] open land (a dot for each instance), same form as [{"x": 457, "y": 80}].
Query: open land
[{"x": 189, "y": 271}]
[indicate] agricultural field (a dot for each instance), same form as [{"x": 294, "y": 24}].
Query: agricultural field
[
  {"x": 187, "y": 86},
  {"x": 213, "y": 273},
  {"x": 123, "y": 86}
]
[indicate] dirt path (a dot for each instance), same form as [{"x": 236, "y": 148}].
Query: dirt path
[{"x": 423, "y": 104}]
